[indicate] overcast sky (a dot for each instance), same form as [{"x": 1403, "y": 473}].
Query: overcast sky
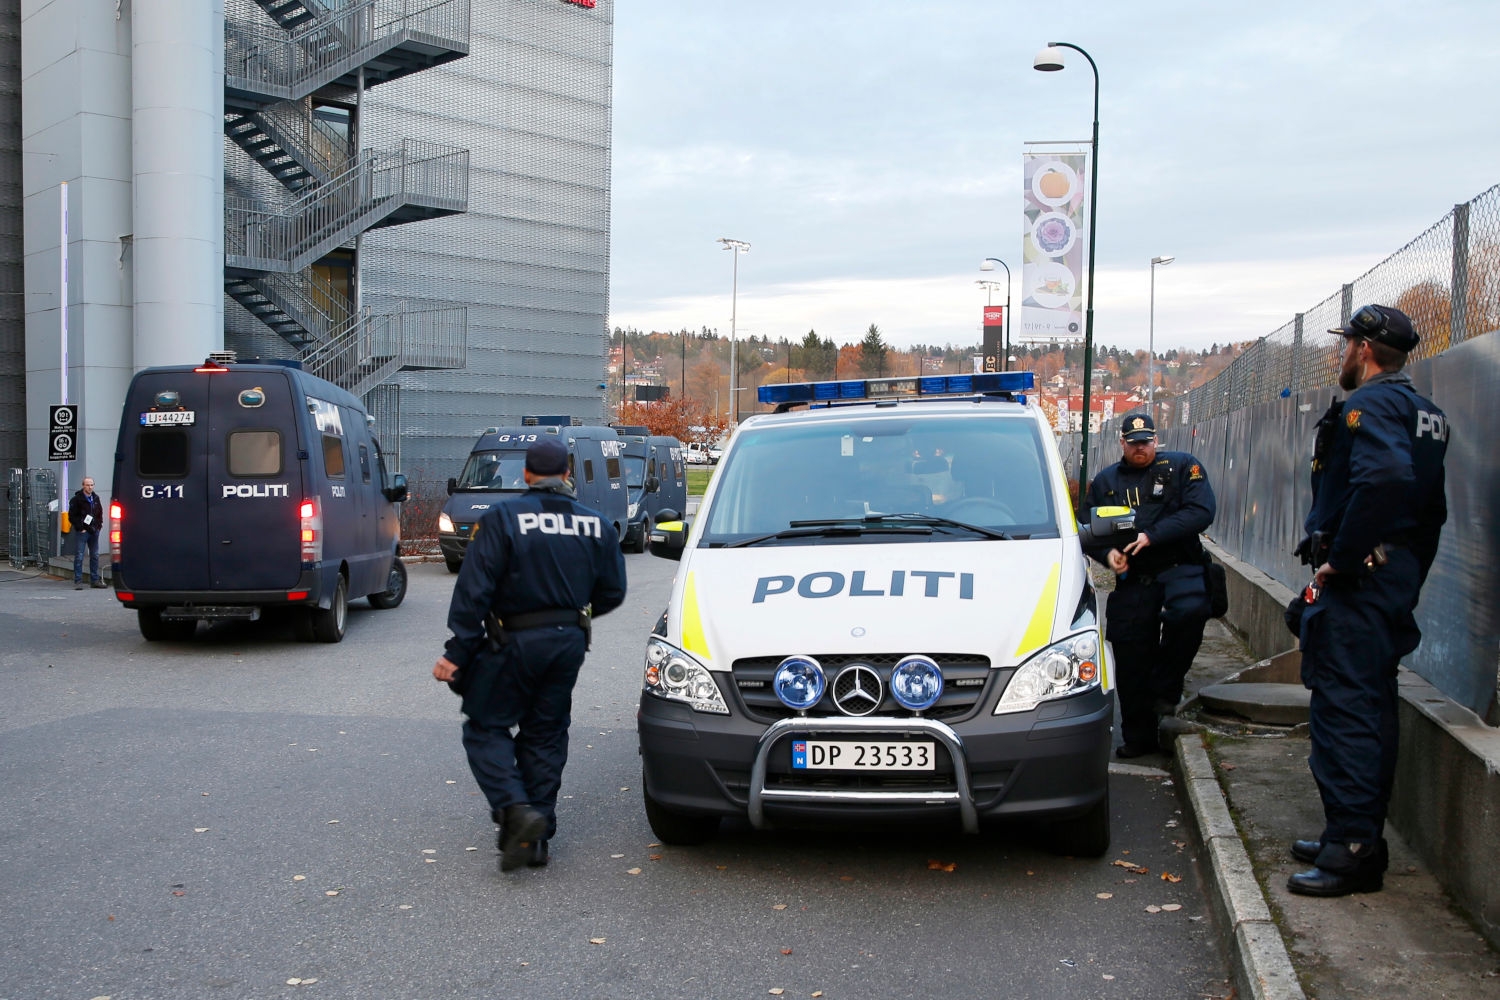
[{"x": 871, "y": 154}]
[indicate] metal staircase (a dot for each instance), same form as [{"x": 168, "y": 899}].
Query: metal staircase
[
  {"x": 271, "y": 244},
  {"x": 314, "y": 49}
]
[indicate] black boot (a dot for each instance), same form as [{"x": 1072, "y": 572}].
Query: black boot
[
  {"x": 1342, "y": 869},
  {"x": 1307, "y": 850},
  {"x": 522, "y": 828},
  {"x": 538, "y": 857}
]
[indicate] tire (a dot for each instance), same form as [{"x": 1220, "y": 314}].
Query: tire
[
  {"x": 395, "y": 591},
  {"x": 156, "y": 629},
  {"x": 644, "y": 537},
  {"x": 454, "y": 565},
  {"x": 1085, "y": 836},
  {"x": 678, "y": 829},
  {"x": 328, "y": 625}
]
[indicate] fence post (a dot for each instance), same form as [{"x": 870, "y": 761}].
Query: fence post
[
  {"x": 1296, "y": 385},
  {"x": 1458, "y": 312},
  {"x": 1346, "y": 304}
]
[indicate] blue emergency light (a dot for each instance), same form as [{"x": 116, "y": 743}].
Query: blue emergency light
[{"x": 895, "y": 388}]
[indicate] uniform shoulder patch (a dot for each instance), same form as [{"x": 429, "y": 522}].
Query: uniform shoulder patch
[
  {"x": 1351, "y": 420},
  {"x": 1195, "y": 472}
]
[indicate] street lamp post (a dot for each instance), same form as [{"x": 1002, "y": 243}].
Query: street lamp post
[
  {"x": 738, "y": 247},
  {"x": 988, "y": 264},
  {"x": 1151, "y": 340},
  {"x": 1049, "y": 60}
]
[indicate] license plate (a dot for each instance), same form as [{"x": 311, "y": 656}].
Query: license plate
[
  {"x": 864, "y": 755},
  {"x": 167, "y": 418}
]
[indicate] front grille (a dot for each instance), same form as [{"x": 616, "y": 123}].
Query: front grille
[{"x": 966, "y": 678}]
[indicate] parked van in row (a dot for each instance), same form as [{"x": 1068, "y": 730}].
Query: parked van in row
[
  {"x": 655, "y": 479},
  {"x": 242, "y": 487},
  {"x": 495, "y": 468}
]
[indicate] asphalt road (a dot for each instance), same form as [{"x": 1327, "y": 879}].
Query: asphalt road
[{"x": 221, "y": 817}]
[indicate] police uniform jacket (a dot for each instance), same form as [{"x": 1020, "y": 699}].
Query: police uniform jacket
[
  {"x": 539, "y": 551},
  {"x": 1377, "y": 473},
  {"x": 82, "y": 505},
  {"x": 1173, "y": 503}
]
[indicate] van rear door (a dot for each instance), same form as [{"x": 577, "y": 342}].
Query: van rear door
[
  {"x": 254, "y": 480},
  {"x": 161, "y": 483}
]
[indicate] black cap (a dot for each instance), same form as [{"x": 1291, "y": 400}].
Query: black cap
[
  {"x": 1137, "y": 427},
  {"x": 547, "y": 457},
  {"x": 1383, "y": 325}
]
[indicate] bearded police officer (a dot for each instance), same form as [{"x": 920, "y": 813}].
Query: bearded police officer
[
  {"x": 539, "y": 567},
  {"x": 1174, "y": 504},
  {"x": 1372, "y": 533}
]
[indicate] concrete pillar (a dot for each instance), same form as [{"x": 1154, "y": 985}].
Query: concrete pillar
[{"x": 177, "y": 161}]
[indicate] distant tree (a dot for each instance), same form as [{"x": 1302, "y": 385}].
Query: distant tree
[{"x": 872, "y": 353}]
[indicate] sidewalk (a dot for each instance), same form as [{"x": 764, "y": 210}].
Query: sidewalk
[{"x": 1251, "y": 794}]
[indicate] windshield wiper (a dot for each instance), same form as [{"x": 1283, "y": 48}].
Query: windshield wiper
[
  {"x": 934, "y": 520},
  {"x": 833, "y": 528}
]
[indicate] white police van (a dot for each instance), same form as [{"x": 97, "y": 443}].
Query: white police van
[{"x": 882, "y": 612}]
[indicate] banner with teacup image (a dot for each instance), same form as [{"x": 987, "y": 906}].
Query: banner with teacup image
[{"x": 1053, "y": 244}]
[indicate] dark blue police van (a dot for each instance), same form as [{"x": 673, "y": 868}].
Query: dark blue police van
[
  {"x": 242, "y": 487},
  {"x": 655, "y": 480},
  {"x": 498, "y": 459}
]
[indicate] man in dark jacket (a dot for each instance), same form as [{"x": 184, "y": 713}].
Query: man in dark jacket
[
  {"x": 1174, "y": 504},
  {"x": 1372, "y": 534},
  {"x": 85, "y": 519},
  {"x": 539, "y": 568}
]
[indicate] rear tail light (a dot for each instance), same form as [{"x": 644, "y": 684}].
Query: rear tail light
[
  {"x": 311, "y": 527},
  {"x": 115, "y": 513}
]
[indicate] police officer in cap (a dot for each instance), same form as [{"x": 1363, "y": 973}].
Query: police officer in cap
[
  {"x": 1372, "y": 533},
  {"x": 539, "y": 567},
  {"x": 1174, "y": 504}
]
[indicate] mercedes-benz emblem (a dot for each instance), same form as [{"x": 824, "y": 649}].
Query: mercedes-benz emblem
[{"x": 857, "y": 690}]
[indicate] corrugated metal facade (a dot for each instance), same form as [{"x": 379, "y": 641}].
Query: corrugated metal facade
[
  {"x": 530, "y": 257},
  {"x": 12, "y": 302}
]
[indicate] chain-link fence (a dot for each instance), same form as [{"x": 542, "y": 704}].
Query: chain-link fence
[{"x": 1447, "y": 280}]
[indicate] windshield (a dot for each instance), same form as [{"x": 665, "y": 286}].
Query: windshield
[
  {"x": 635, "y": 471},
  {"x": 989, "y": 472},
  {"x": 494, "y": 470}
]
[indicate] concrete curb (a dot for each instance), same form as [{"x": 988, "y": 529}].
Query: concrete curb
[{"x": 1261, "y": 966}]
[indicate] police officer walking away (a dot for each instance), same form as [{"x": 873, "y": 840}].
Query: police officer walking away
[
  {"x": 1174, "y": 504},
  {"x": 540, "y": 565},
  {"x": 1378, "y": 508}
]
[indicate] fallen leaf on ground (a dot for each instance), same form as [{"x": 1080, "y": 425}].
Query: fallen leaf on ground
[
  {"x": 331, "y": 892},
  {"x": 779, "y": 906},
  {"x": 846, "y": 878},
  {"x": 430, "y": 861},
  {"x": 596, "y": 940},
  {"x": 653, "y": 857},
  {"x": 1153, "y": 909},
  {"x": 200, "y": 829},
  {"x": 299, "y": 878},
  {"x": 1169, "y": 877},
  {"x": 1139, "y": 870},
  {"x": 429, "y": 850},
  {"x": 1227, "y": 766},
  {"x": 1108, "y": 976},
  {"x": 617, "y": 856},
  {"x": 786, "y": 951},
  {"x": 817, "y": 993},
  {"x": 178, "y": 892},
  {"x": 776, "y": 991},
  {"x": 450, "y": 782},
  {"x": 471, "y": 848},
  {"x": 405, "y": 906},
  {"x": 1171, "y": 907},
  {"x": 1104, "y": 895},
  {"x": 941, "y": 866},
  {"x": 653, "y": 845},
  {"x": 632, "y": 871},
  {"x": 332, "y": 821}
]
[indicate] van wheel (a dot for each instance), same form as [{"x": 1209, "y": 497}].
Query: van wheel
[
  {"x": 1085, "y": 836},
  {"x": 154, "y": 628},
  {"x": 681, "y": 829},
  {"x": 645, "y": 537},
  {"x": 328, "y": 626},
  {"x": 454, "y": 565},
  {"x": 395, "y": 589}
]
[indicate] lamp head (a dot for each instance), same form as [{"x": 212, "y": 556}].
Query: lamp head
[
  {"x": 1162, "y": 260},
  {"x": 1049, "y": 60},
  {"x": 986, "y": 265}
]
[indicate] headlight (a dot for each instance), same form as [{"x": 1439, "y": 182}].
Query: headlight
[
  {"x": 1063, "y": 668},
  {"x": 916, "y": 683},
  {"x": 445, "y": 524},
  {"x": 635, "y": 509},
  {"x": 676, "y": 676},
  {"x": 799, "y": 682}
]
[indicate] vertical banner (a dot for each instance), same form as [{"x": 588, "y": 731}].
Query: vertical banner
[
  {"x": 1053, "y": 245},
  {"x": 1063, "y": 423},
  {"x": 1109, "y": 410},
  {"x": 994, "y": 327}
]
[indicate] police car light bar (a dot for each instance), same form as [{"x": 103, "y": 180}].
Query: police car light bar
[{"x": 895, "y": 388}]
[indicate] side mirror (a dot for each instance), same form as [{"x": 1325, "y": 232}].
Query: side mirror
[
  {"x": 668, "y": 536},
  {"x": 396, "y": 492},
  {"x": 1108, "y": 525},
  {"x": 452, "y": 486}
]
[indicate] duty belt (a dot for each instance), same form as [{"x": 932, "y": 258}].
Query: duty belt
[{"x": 497, "y": 627}]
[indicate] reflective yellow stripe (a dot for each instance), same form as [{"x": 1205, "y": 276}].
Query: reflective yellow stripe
[
  {"x": 692, "y": 622},
  {"x": 1039, "y": 632}
]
